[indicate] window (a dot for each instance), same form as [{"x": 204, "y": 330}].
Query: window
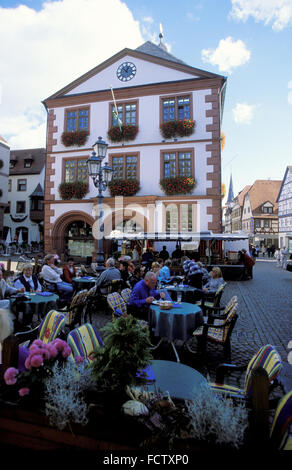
[
  {"x": 77, "y": 119},
  {"x": 36, "y": 204},
  {"x": 7, "y": 208},
  {"x": 171, "y": 218},
  {"x": 267, "y": 224},
  {"x": 179, "y": 218},
  {"x": 267, "y": 210},
  {"x": 257, "y": 223},
  {"x": 186, "y": 217},
  {"x": 21, "y": 185},
  {"x": 127, "y": 114},
  {"x": 176, "y": 108},
  {"x": 125, "y": 166},
  {"x": 9, "y": 185},
  {"x": 75, "y": 170},
  {"x": 177, "y": 164},
  {"x": 20, "y": 207},
  {"x": 27, "y": 162}
]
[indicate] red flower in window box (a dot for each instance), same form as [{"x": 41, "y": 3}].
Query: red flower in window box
[
  {"x": 178, "y": 185},
  {"x": 71, "y": 138},
  {"x": 127, "y": 132},
  {"x": 73, "y": 190},
  {"x": 124, "y": 187},
  {"x": 181, "y": 128}
]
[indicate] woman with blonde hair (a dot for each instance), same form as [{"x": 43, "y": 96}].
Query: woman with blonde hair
[
  {"x": 155, "y": 267},
  {"x": 212, "y": 285}
]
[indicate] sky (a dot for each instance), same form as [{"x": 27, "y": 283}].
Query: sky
[{"x": 46, "y": 45}]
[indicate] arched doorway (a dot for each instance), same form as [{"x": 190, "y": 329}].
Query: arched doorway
[{"x": 78, "y": 238}]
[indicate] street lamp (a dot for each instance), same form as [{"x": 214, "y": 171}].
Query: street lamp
[{"x": 101, "y": 176}]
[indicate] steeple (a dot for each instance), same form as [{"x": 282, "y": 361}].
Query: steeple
[{"x": 230, "y": 191}]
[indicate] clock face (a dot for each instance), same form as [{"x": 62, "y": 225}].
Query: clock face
[{"x": 126, "y": 71}]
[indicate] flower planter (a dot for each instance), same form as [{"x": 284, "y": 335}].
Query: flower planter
[
  {"x": 179, "y": 185},
  {"x": 75, "y": 190},
  {"x": 71, "y": 138},
  {"x": 115, "y": 134},
  {"x": 124, "y": 187},
  {"x": 182, "y": 128}
]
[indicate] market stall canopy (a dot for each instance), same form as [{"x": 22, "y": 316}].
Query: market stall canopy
[{"x": 176, "y": 236}]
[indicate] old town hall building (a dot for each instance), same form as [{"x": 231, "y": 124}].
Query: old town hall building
[{"x": 165, "y": 149}]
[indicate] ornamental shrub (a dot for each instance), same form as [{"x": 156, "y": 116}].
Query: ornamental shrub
[{"x": 71, "y": 138}]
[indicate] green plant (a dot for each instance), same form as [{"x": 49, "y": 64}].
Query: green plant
[
  {"x": 73, "y": 190},
  {"x": 178, "y": 185},
  {"x": 123, "y": 187},
  {"x": 70, "y": 138},
  {"x": 126, "y": 350},
  {"x": 127, "y": 132}
]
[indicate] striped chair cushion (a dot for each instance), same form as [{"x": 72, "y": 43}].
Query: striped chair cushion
[
  {"x": 51, "y": 326},
  {"x": 84, "y": 341},
  {"x": 281, "y": 432},
  {"x": 126, "y": 294},
  {"x": 268, "y": 358},
  {"x": 232, "y": 302},
  {"x": 228, "y": 389},
  {"x": 116, "y": 301},
  {"x": 218, "y": 334}
]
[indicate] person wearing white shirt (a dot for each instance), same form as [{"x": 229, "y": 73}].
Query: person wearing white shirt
[
  {"x": 28, "y": 280},
  {"x": 6, "y": 291},
  {"x": 52, "y": 274}
]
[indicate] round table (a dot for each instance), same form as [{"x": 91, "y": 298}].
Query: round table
[
  {"x": 177, "y": 323},
  {"x": 37, "y": 304},
  {"x": 176, "y": 378},
  {"x": 184, "y": 289},
  {"x": 85, "y": 282}
]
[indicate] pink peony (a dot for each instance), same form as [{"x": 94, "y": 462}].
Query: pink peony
[
  {"x": 10, "y": 376},
  {"x": 53, "y": 350},
  {"x": 66, "y": 352},
  {"x": 23, "y": 391},
  {"x": 36, "y": 360},
  {"x": 38, "y": 342},
  {"x": 59, "y": 344},
  {"x": 27, "y": 363},
  {"x": 79, "y": 359}
]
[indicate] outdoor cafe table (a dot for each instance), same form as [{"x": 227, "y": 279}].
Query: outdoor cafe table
[
  {"x": 37, "y": 304},
  {"x": 85, "y": 282},
  {"x": 176, "y": 378},
  {"x": 178, "y": 323},
  {"x": 184, "y": 289}
]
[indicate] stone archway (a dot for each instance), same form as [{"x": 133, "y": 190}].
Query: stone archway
[{"x": 61, "y": 224}]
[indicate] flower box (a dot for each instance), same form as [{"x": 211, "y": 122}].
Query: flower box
[
  {"x": 74, "y": 190},
  {"x": 115, "y": 134},
  {"x": 124, "y": 187},
  {"x": 71, "y": 138},
  {"x": 178, "y": 185},
  {"x": 180, "y": 128}
]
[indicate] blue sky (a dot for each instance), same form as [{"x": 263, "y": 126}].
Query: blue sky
[{"x": 249, "y": 41}]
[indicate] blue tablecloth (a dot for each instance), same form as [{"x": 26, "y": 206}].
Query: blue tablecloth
[{"x": 176, "y": 323}]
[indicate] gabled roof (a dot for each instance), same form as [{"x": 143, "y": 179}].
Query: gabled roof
[
  {"x": 38, "y": 156},
  {"x": 147, "y": 51},
  {"x": 38, "y": 192},
  {"x": 262, "y": 191},
  {"x": 289, "y": 168},
  {"x": 240, "y": 196}
]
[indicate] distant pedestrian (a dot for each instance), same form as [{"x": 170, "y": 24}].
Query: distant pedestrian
[
  {"x": 248, "y": 264},
  {"x": 284, "y": 255},
  {"x": 277, "y": 256}
]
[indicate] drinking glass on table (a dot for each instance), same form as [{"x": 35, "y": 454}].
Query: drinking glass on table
[{"x": 179, "y": 297}]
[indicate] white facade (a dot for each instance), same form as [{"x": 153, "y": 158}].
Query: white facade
[
  {"x": 285, "y": 211},
  {"x": 4, "y": 172}
]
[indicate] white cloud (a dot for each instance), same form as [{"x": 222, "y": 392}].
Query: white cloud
[
  {"x": 243, "y": 113},
  {"x": 228, "y": 54},
  {"x": 277, "y": 12},
  {"x": 42, "y": 51}
]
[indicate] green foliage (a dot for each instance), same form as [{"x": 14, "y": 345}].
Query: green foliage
[
  {"x": 126, "y": 349},
  {"x": 73, "y": 190}
]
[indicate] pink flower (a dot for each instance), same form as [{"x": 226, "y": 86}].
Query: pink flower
[
  {"x": 23, "y": 391},
  {"x": 79, "y": 359},
  {"x": 38, "y": 342},
  {"x": 53, "y": 350},
  {"x": 59, "y": 344},
  {"x": 10, "y": 376},
  {"x": 27, "y": 363},
  {"x": 66, "y": 352},
  {"x": 36, "y": 360}
]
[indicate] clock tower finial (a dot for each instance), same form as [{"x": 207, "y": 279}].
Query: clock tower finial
[{"x": 160, "y": 38}]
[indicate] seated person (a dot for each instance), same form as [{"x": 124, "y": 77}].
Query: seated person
[
  {"x": 155, "y": 268},
  {"x": 28, "y": 280},
  {"x": 147, "y": 258},
  {"x": 164, "y": 273},
  {"x": 6, "y": 291},
  {"x": 69, "y": 271},
  {"x": 142, "y": 296},
  {"x": 164, "y": 254},
  {"x": 190, "y": 267},
  {"x": 212, "y": 285},
  {"x": 52, "y": 275},
  {"x": 111, "y": 273},
  {"x": 177, "y": 253},
  {"x": 206, "y": 275},
  {"x": 6, "y": 329},
  {"x": 123, "y": 268},
  {"x": 136, "y": 276}
]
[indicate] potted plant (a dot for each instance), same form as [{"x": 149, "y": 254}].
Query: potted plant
[
  {"x": 177, "y": 185},
  {"x": 183, "y": 127},
  {"x": 124, "y": 187},
  {"x": 126, "y": 132},
  {"x": 70, "y": 138},
  {"x": 73, "y": 190},
  {"x": 126, "y": 350}
]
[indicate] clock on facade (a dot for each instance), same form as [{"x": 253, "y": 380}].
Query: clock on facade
[{"x": 126, "y": 71}]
